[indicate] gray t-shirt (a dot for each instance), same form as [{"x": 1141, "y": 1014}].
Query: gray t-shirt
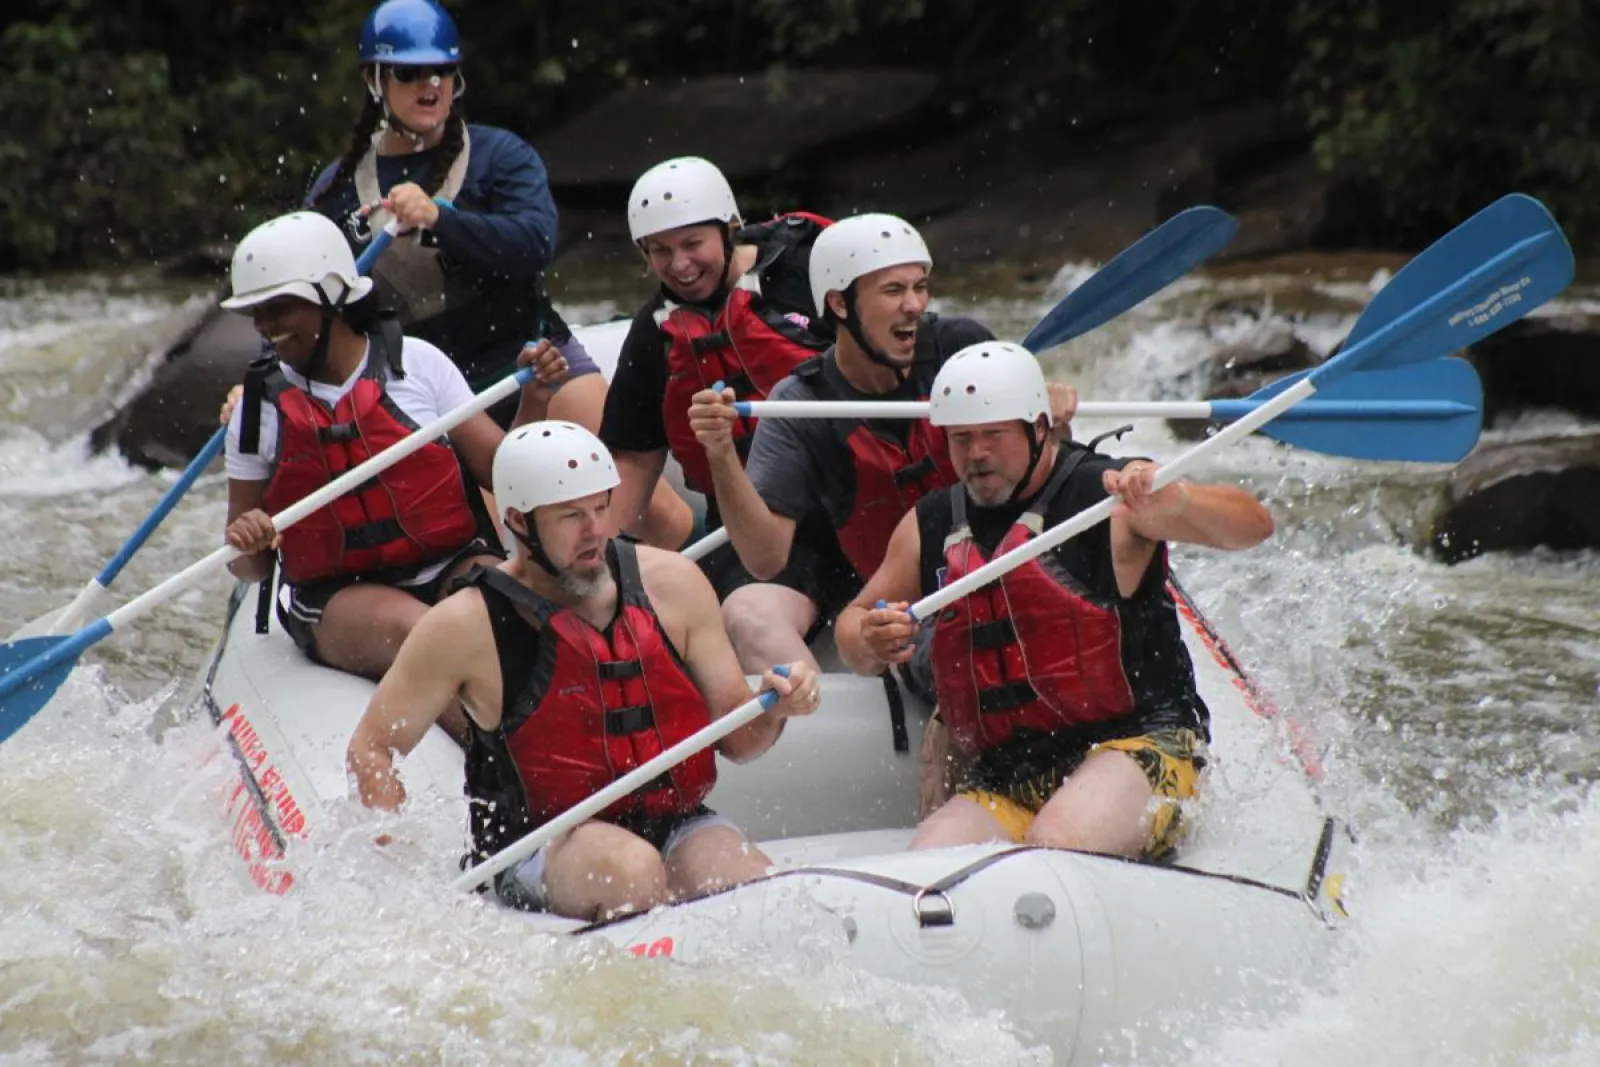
[{"x": 798, "y": 464}]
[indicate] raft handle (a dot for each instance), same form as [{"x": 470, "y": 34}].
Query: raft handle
[{"x": 930, "y": 914}]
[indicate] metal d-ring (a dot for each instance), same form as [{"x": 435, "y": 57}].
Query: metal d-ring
[{"x": 936, "y": 915}]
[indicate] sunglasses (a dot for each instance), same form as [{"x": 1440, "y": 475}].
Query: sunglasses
[{"x": 407, "y": 75}]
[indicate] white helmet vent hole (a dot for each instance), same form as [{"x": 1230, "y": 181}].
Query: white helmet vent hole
[
  {"x": 971, "y": 390},
  {"x": 572, "y": 464}
]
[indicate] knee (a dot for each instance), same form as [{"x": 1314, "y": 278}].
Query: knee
[
  {"x": 744, "y": 619},
  {"x": 1050, "y": 835},
  {"x": 628, "y": 868},
  {"x": 393, "y": 627}
]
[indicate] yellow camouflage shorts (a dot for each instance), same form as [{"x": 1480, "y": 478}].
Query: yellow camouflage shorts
[{"x": 1171, "y": 761}]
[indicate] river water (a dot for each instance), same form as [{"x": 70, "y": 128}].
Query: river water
[{"x": 1454, "y": 708}]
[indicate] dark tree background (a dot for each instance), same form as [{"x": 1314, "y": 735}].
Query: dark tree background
[{"x": 139, "y": 129}]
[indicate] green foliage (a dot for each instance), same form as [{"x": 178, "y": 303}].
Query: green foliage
[
  {"x": 154, "y": 125},
  {"x": 81, "y": 168},
  {"x": 1428, "y": 111},
  {"x": 130, "y": 151}
]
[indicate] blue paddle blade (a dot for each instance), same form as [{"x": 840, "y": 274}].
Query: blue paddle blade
[
  {"x": 1141, "y": 270},
  {"x": 32, "y": 669},
  {"x": 1497, "y": 227},
  {"x": 1424, "y": 413},
  {"x": 35, "y": 692},
  {"x": 1493, "y": 269}
]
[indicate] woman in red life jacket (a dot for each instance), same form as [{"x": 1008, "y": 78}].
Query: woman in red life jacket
[
  {"x": 1065, "y": 685},
  {"x": 578, "y": 660},
  {"x": 341, "y": 386},
  {"x": 734, "y": 306}
]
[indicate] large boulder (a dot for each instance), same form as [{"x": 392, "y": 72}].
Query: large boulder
[
  {"x": 1280, "y": 209},
  {"x": 1107, "y": 190},
  {"x": 1546, "y": 362},
  {"x": 1522, "y": 494},
  {"x": 174, "y": 416},
  {"x": 750, "y": 125},
  {"x": 1239, "y": 367}
]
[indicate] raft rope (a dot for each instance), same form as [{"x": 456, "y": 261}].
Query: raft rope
[{"x": 931, "y": 904}]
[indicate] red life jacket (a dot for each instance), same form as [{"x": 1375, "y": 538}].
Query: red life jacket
[
  {"x": 412, "y": 514},
  {"x": 1030, "y": 650},
  {"x": 750, "y": 345},
  {"x": 597, "y": 705},
  {"x": 890, "y": 477}
]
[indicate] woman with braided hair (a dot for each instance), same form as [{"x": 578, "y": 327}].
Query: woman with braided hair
[{"x": 478, "y": 227}]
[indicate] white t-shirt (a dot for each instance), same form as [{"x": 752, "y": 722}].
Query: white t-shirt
[{"x": 432, "y": 386}]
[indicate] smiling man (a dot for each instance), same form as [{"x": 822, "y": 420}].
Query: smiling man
[{"x": 869, "y": 275}]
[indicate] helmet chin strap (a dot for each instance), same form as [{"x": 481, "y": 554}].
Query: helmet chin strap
[
  {"x": 852, "y": 323},
  {"x": 536, "y": 551},
  {"x": 1035, "y": 453},
  {"x": 724, "y": 286},
  {"x": 530, "y": 541},
  {"x": 319, "y": 351}
]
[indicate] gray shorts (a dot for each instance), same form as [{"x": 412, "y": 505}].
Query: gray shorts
[{"x": 523, "y": 885}]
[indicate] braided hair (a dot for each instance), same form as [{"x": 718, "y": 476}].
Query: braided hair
[
  {"x": 455, "y": 129},
  {"x": 367, "y": 123}
]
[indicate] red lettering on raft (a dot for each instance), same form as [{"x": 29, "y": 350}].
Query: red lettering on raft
[
  {"x": 661, "y": 946},
  {"x": 253, "y": 838}
]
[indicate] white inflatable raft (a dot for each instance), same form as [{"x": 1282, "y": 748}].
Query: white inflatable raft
[{"x": 1093, "y": 955}]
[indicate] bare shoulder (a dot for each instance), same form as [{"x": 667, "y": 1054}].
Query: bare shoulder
[
  {"x": 675, "y": 585},
  {"x": 455, "y": 626}
]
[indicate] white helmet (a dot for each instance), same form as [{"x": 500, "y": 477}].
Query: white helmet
[
  {"x": 679, "y": 192},
  {"x": 992, "y": 381},
  {"x": 548, "y": 463},
  {"x": 303, "y": 254},
  {"x": 860, "y": 245}
]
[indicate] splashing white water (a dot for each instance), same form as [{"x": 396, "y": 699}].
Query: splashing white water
[
  {"x": 1479, "y": 949},
  {"x": 1449, "y": 705},
  {"x": 131, "y": 933}
]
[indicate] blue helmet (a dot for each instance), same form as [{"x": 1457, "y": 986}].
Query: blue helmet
[{"x": 410, "y": 33}]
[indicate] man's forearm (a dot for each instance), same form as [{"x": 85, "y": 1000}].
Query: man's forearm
[{"x": 761, "y": 538}]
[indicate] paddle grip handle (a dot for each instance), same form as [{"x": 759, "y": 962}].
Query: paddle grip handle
[
  {"x": 706, "y": 545},
  {"x": 832, "y": 409}
]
